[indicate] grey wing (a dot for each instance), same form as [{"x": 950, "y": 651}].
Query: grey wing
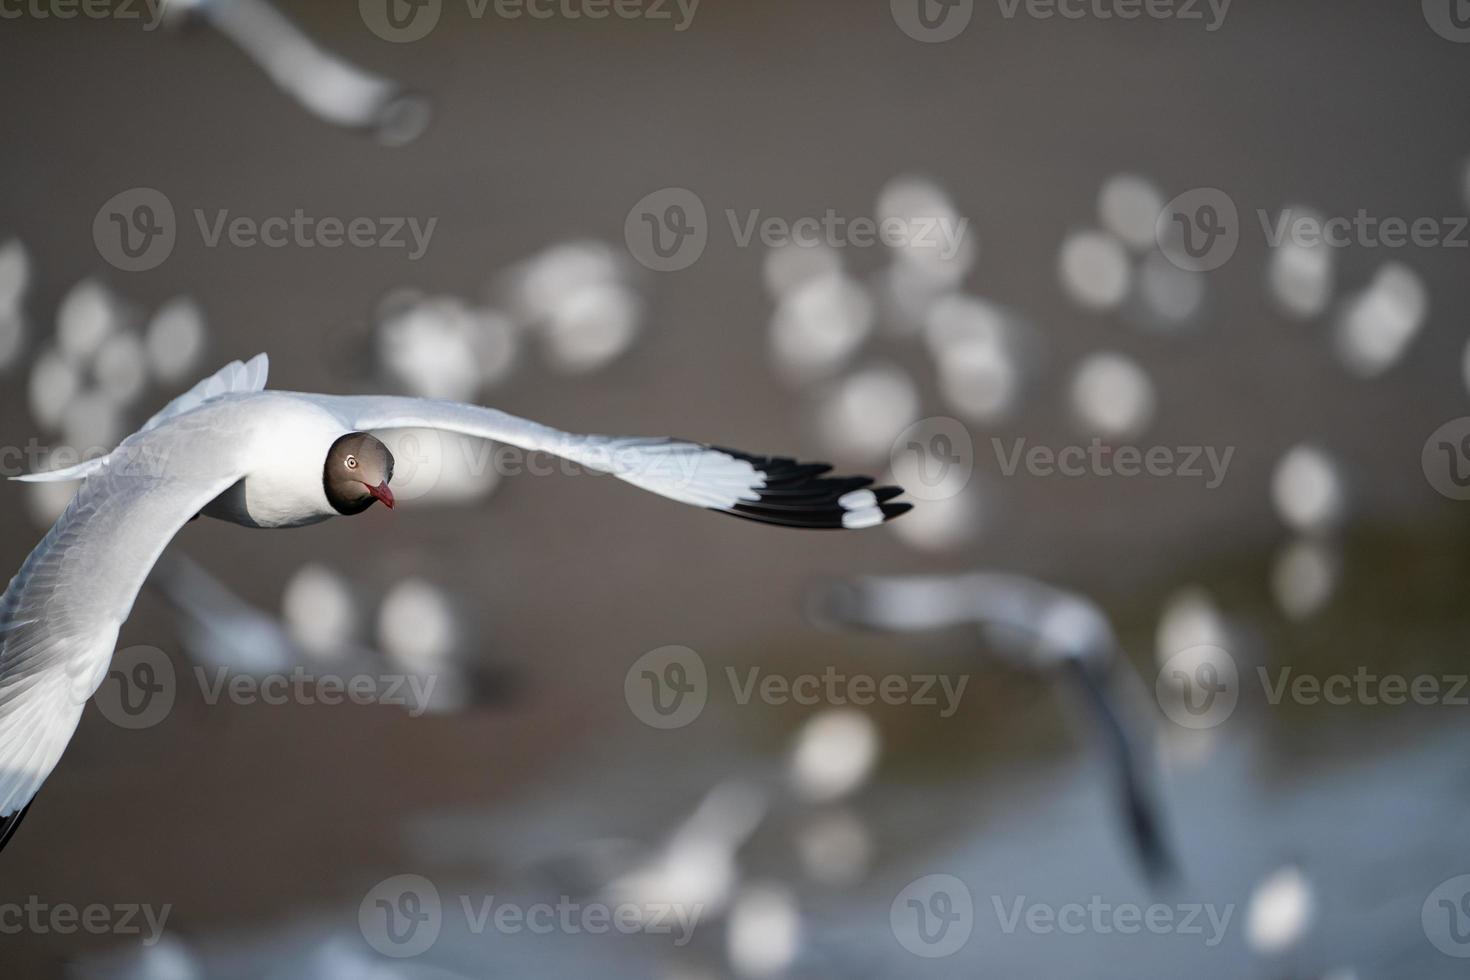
[
  {"x": 1023, "y": 619},
  {"x": 60, "y": 616},
  {"x": 1133, "y": 770}
]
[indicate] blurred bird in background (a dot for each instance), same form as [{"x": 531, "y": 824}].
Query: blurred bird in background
[{"x": 1041, "y": 629}]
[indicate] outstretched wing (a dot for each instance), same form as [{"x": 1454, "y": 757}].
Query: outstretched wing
[
  {"x": 60, "y": 616},
  {"x": 769, "y": 489}
]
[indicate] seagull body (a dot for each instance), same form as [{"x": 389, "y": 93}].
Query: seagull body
[
  {"x": 1039, "y": 628},
  {"x": 231, "y": 450}
]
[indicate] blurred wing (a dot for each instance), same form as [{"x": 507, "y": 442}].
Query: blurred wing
[
  {"x": 772, "y": 490},
  {"x": 1141, "y": 812},
  {"x": 1023, "y": 619},
  {"x": 60, "y": 616},
  {"x": 219, "y": 628},
  {"x": 893, "y": 604}
]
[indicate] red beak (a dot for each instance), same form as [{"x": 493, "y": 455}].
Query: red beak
[{"x": 381, "y": 492}]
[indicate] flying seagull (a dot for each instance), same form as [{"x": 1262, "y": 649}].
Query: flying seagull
[
  {"x": 1038, "y": 628},
  {"x": 229, "y": 449}
]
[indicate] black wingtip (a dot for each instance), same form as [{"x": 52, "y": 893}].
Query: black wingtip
[
  {"x": 797, "y": 494},
  {"x": 9, "y": 825}
]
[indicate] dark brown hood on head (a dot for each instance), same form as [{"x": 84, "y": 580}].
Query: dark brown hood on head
[{"x": 358, "y": 471}]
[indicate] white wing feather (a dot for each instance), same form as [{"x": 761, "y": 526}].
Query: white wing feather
[
  {"x": 60, "y": 616},
  {"x": 231, "y": 379}
]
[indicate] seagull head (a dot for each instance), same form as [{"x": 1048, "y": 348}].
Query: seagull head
[{"x": 358, "y": 471}]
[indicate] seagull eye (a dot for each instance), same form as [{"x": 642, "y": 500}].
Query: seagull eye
[{"x": 352, "y": 462}]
